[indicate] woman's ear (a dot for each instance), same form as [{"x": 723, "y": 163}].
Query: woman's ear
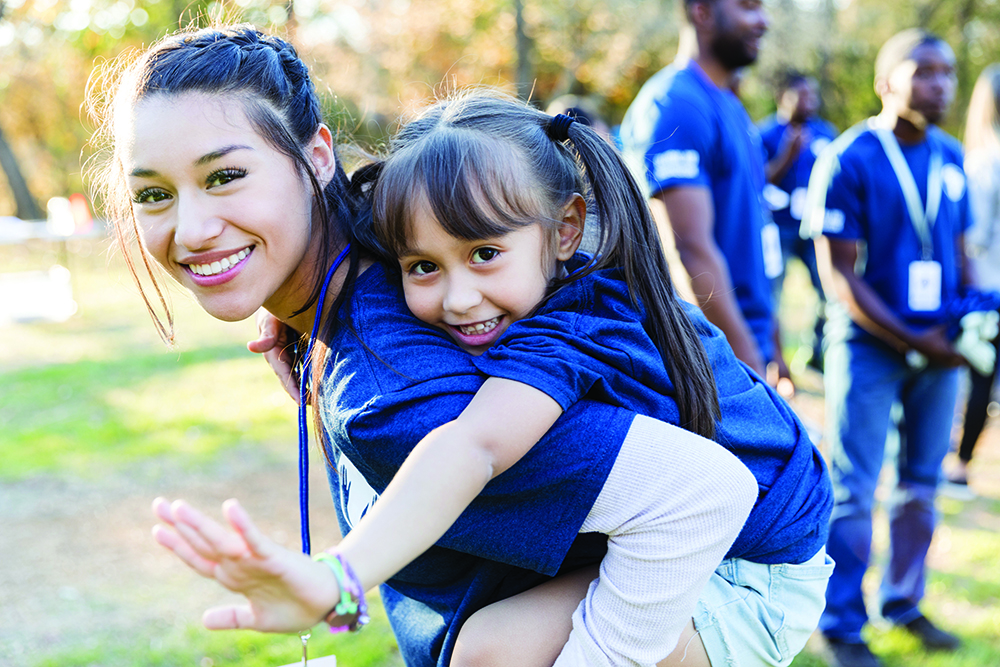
[
  {"x": 571, "y": 227},
  {"x": 322, "y": 155}
]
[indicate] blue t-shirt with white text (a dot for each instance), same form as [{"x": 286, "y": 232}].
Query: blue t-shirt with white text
[{"x": 682, "y": 130}]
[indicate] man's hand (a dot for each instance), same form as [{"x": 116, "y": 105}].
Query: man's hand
[
  {"x": 934, "y": 344},
  {"x": 274, "y": 341}
]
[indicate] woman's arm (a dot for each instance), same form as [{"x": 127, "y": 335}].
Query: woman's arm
[{"x": 444, "y": 473}]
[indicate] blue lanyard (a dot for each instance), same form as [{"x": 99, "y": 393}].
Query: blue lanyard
[{"x": 303, "y": 427}]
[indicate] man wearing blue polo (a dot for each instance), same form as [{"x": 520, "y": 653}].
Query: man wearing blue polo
[
  {"x": 890, "y": 201},
  {"x": 702, "y": 158},
  {"x": 793, "y": 137}
]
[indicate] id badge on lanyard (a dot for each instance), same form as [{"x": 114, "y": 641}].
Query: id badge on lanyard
[{"x": 924, "y": 275}]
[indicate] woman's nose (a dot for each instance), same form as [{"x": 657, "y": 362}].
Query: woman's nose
[{"x": 198, "y": 223}]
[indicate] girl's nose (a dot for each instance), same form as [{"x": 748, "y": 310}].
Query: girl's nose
[
  {"x": 461, "y": 296},
  {"x": 198, "y": 224}
]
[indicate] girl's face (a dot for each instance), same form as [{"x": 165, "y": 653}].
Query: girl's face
[
  {"x": 228, "y": 216},
  {"x": 475, "y": 289}
]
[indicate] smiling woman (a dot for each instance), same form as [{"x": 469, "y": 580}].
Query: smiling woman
[{"x": 225, "y": 213}]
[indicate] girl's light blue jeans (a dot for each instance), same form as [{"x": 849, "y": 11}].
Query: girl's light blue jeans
[{"x": 863, "y": 379}]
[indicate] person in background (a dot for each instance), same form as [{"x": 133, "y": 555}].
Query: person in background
[
  {"x": 893, "y": 185},
  {"x": 690, "y": 139},
  {"x": 793, "y": 137},
  {"x": 982, "y": 168}
]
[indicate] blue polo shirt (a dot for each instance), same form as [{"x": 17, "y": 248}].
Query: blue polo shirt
[
  {"x": 854, "y": 195},
  {"x": 682, "y": 130},
  {"x": 588, "y": 340},
  {"x": 389, "y": 381},
  {"x": 788, "y": 203}
]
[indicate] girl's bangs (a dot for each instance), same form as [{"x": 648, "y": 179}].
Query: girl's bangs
[{"x": 476, "y": 188}]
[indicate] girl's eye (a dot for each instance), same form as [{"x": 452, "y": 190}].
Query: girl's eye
[
  {"x": 149, "y": 196},
  {"x": 483, "y": 255},
  {"x": 223, "y": 176},
  {"x": 422, "y": 268}
]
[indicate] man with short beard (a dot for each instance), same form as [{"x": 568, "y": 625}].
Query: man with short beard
[
  {"x": 890, "y": 200},
  {"x": 701, "y": 156}
]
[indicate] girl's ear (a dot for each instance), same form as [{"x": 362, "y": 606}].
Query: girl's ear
[
  {"x": 571, "y": 227},
  {"x": 321, "y": 154}
]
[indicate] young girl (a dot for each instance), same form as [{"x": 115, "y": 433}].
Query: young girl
[{"x": 219, "y": 165}]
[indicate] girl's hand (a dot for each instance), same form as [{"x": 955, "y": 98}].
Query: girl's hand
[
  {"x": 274, "y": 341},
  {"x": 286, "y": 590}
]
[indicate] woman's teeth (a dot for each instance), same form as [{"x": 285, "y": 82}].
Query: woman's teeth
[
  {"x": 480, "y": 328},
  {"x": 222, "y": 265}
]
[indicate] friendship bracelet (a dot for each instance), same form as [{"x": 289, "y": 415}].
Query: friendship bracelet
[{"x": 352, "y": 594}]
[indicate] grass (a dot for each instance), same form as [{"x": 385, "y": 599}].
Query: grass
[{"x": 101, "y": 396}]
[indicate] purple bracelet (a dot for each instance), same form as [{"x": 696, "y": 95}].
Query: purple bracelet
[{"x": 352, "y": 594}]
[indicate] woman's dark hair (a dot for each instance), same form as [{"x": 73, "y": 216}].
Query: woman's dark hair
[
  {"x": 485, "y": 164},
  {"x": 266, "y": 76}
]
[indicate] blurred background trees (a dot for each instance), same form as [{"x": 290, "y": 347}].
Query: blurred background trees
[{"x": 376, "y": 59}]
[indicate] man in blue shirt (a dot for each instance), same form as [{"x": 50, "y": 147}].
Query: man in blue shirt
[
  {"x": 793, "y": 137},
  {"x": 890, "y": 201},
  {"x": 702, "y": 158}
]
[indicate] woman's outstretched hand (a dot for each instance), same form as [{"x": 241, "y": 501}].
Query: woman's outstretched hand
[
  {"x": 286, "y": 590},
  {"x": 274, "y": 341}
]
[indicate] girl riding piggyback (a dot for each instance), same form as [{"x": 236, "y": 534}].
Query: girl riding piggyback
[{"x": 483, "y": 201}]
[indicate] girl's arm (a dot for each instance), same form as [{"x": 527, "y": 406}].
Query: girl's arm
[
  {"x": 444, "y": 473},
  {"x": 288, "y": 591}
]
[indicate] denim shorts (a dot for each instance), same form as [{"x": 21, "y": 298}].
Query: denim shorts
[{"x": 756, "y": 614}]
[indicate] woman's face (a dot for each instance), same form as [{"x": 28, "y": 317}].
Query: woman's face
[{"x": 228, "y": 216}]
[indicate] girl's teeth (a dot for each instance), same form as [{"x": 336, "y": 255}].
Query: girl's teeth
[
  {"x": 220, "y": 266},
  {"x": 480, "y": 328}
]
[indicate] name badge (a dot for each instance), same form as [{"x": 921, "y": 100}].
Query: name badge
[
  {"x": 798, "y": 203},
  {"x": 925, "y": 286},
  {"x": 770, "y": 241}
]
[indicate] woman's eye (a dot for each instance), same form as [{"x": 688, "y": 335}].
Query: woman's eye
[
  {"x": 423, "y": 268},
  {"x": 223, "y": 176},
  {"x": 149, "y": 196},
  {"x": 483, "y": 255}
]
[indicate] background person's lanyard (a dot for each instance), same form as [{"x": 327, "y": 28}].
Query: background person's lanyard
[{"x": 922, "y": 218}]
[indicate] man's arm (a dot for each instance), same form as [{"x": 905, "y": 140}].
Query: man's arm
[
  {"x": 691, "y": 217},
  {"x": 836, "y": 259},
  {"x": 792, "y": 141}
]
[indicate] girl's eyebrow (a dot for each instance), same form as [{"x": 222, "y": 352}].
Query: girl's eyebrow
[{"x": 139, "y": 172}]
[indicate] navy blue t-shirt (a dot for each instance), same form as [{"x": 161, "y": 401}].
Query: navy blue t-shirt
[
  {"x": 788, "y": 203},
  {"x": 682, "y": 130},
  {"x": 389, "y": 381},
  {"x": 588, "y": 341},
  {"x": 855, "y": 195}
]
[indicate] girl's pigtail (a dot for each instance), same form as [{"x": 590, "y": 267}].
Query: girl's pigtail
[{"x": 630, "y": 241}]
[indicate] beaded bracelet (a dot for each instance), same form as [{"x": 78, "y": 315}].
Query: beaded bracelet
[{"x": 352, "y": 594}]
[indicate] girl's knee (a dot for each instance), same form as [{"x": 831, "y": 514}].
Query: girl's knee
[{"x": 478, "y": 644}]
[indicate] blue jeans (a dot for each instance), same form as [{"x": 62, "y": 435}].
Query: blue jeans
[{"x": 863, "y": 379}]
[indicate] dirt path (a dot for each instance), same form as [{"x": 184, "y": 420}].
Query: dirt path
[{"x": 79, "y": 564}]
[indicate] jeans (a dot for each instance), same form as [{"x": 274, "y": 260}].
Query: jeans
[{"x": 863, "y": 379}]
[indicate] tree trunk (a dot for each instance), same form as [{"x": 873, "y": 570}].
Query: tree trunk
[
  {"x": 27, "y": 207},
  {"x": 525, "y": 81}
]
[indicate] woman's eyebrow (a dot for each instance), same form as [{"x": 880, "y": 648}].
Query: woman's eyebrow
[{"x": 139, "y": 172}]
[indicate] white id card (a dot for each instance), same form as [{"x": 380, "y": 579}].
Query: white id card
[
  {"x": 925, "y": 286},
  {"x": 328, "y": 661},
  {"x": 798, "y": 203},
  {"x": 770, "y": 241}
]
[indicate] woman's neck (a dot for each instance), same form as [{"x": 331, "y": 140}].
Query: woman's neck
[{"x": 304, "y": 322}]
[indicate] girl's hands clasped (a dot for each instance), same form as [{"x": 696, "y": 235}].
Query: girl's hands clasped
[{"x": 286, "y": 590}]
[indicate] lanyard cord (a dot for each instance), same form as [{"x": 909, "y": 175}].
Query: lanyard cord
[
  {"x": 921, "y": 218},
  {"x": 303, "y": 428}
]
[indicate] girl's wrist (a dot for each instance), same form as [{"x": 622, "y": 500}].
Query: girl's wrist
[{"x": 350, "y": 610}]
